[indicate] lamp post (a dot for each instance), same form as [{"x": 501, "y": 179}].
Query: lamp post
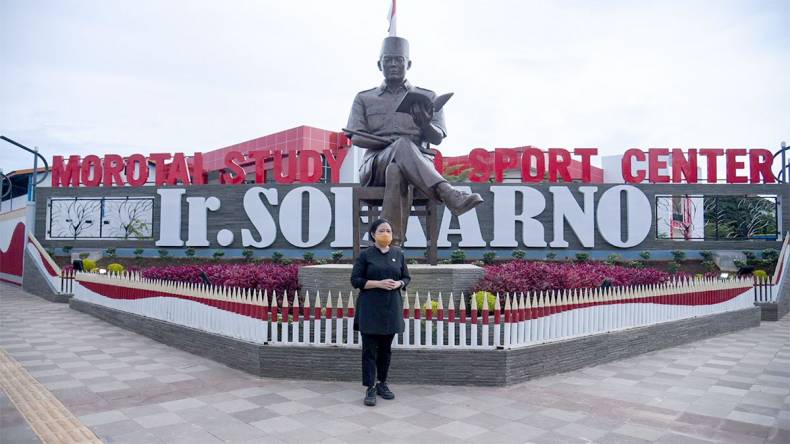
[
  {"x": 784, "y": 166},
  {"x": 31, "y": 190}
]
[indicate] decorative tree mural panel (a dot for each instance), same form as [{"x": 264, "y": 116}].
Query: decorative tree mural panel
[
  {"x": 100, "y": 218},
  {"x": 128, "y": 218}
]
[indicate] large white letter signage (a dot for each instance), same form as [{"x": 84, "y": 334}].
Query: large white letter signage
[
  {"x": 639, "y": 216},
  {"x": 260, "y": 217}
]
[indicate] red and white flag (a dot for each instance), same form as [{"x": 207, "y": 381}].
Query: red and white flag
[{"x": 393, "y": 20}]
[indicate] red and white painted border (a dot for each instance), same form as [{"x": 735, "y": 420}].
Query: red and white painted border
[
  {"x": 12, "y": 246},
  {"x": 516, "y": 320},
  {"x": 780, "y": 272},
  {"x": 47, "y": 267}
]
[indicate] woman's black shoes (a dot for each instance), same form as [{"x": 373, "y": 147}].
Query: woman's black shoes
[
  {"x": 370, "y": 396},
  {"x": 384, "y": 391},
  {"x": 380, "y": 389}
]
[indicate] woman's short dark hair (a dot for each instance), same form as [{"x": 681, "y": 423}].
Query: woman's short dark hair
[{"x": 375, "y": 226}]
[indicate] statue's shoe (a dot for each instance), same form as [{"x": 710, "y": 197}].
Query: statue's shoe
[{"x": 459, "y": 202}]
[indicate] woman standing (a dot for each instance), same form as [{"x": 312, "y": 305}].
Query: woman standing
[{"x": 379, "y": 273}]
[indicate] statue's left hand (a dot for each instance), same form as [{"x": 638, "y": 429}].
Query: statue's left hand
[{"x": 422, "y": 114}]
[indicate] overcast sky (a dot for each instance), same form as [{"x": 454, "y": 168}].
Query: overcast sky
[{"x": 83, "y": 77}]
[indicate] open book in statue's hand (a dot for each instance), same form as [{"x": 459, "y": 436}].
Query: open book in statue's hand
[{"x": 413, "y": 97}]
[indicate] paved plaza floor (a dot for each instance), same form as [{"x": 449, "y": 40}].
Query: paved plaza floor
[{"x": 127, "y": 388}]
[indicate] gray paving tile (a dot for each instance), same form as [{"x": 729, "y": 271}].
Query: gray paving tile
[
  {"x": 105, "y": 417},
  {"x": 732, "y": 388},
  {"x": 235, "y": 432},
  {"x": 399, "y": 429},
  {"x": 616, "y": 438},
  {"x": 234, "y": 406},
  {"x": 278, "y": 424},
  {"x": 460, "y": 430},
  {"x": 158, "y": 420}
]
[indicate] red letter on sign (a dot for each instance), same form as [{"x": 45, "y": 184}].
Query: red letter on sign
[
  {"x": 628, "y": 157},
  {"x": 91, "y": 163},
  {"x": 688, "y": 167},
  {"x": 198, "y": 173},
  {"x": 733, "y": 165},
  {"x": 654, "y": 164},
  {"x": 711, "y": 154},
  {"x": 335, "y": 161},
  {"x": 159, "y": 160},
  {"x": 178, "y": 170},
  {"x": 260, "y": 165},
  {"x": 480, "y": 161},
  {"x": 232, "y": 161},
  {"x": 504, "y": 158},
  {"x": 136, "y": 162},
  {"x": 559, "y": 160},
  {"x": 310, "y": 166},
  {"x": 760, "y": 161},
  {"x": 586, "y": 154},
  {"x": 113, "y": 165},
  {"x": 527, "y": 157},
  {"x": 65, "y": 176},
  {"x": 279, "y": 177}
]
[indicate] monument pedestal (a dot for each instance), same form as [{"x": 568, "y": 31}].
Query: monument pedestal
[{"x": 455, "y": 278}]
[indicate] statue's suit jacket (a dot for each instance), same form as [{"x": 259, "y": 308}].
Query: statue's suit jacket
[{"x": 374, "y": 111}]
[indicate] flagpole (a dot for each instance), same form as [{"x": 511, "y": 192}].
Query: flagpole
[{"x": 391, "y": 16}]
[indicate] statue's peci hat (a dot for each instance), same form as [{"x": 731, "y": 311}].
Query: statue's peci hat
[{"x": 395, "y": 46}]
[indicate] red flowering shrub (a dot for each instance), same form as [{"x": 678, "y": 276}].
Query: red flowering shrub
[
  {"x": 537, "y": 276},
  {"x": 261, "y": 276}
]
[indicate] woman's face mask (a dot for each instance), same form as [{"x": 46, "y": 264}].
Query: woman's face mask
[{"x": 383, "y": 239}]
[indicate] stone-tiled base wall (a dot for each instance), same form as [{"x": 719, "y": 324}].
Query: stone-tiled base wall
[
  {"x": 35, "y": 282},
  {"x": 783, "y": 304},
  {"x": 768, "y": 311},
  {"x": 422, "y": 366},
  {"x": 545, "y": 359},
  {"x": 773, "y": 311}
]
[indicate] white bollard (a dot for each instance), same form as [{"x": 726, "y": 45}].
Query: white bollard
[
  {"x": 295, "y": 322},
  {"x": 306, "y": 318},
  {"x": 285, "y": 315},
  {"x": 406, "y": 336},
  {"x": 514, "y": 321},
  {"x": 462, "y": 322},
  {"x": 429, "y": 321},
  {"x": 497, "y": 326},
  {"x": 350, "y": 319},
  {"x": 275, "y": 318},
  {"x": 328, "y": 320},
  {"x": 317, "y": 318},
  {"x": 440, "y": 322},
  {"x": 417, "y": 333},
  {"x": 473, "y": 319},
  {"x": 508, "y": 326},
  {"x": 339, "y": 320},
  {"x": 265, "y": 323},
  {"x": 485, "y": 321},
  {"x": 451, "y": 321}
]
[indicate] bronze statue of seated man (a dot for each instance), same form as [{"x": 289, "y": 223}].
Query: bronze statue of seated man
[{"x": 397, "y": 150}]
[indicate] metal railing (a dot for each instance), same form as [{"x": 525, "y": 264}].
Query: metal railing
[{"x": 67, "y": 281}]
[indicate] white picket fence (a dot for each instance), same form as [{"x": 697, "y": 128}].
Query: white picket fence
[{"x": 516, "y": 320}]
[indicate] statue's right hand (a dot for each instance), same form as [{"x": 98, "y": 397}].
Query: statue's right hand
[{"x": 422, "y": 113}]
